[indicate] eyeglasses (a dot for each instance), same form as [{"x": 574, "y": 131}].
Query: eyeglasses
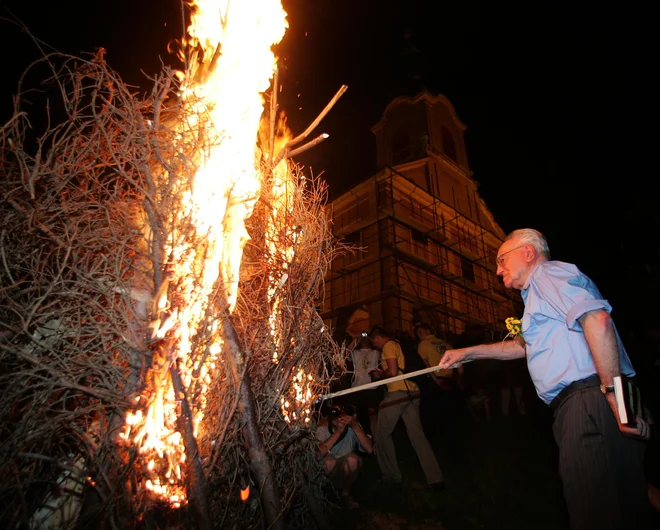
[{"x": 500, "y": 259}]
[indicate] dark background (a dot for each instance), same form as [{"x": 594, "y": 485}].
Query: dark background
[{"x": 558, "y": 100}]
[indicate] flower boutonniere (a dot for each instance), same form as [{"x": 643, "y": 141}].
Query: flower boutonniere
[{"x": 514, "y": 326}]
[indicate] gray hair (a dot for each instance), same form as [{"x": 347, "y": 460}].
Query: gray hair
[{"x": 529, "y": 236}]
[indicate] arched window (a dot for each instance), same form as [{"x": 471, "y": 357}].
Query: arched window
[
  {"x": 401, "y": 146},
  {"x": 448, "y": 143}
]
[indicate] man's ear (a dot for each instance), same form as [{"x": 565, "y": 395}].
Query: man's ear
[{"x": 531, "y": 252}]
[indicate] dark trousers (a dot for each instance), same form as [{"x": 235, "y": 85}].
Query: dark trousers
[{"x": 601, "y": 470}]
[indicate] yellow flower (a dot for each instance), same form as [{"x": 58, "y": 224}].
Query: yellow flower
[{"x": 514, "y": 326}]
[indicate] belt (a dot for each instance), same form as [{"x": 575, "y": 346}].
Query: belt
[{"x": 575, "y": 386}]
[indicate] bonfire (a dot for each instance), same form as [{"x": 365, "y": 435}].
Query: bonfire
[{"x": 161, "y": 263}]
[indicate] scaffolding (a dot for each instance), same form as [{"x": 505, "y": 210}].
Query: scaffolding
[{"x": 417, "y": 258}]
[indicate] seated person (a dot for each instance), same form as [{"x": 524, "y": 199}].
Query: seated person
[{"x": 340, "y": 436}]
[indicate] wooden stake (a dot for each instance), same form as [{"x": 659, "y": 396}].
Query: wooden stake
[
  {"x": 312, "y": 126},
  {"x": 308, "y": 145}
]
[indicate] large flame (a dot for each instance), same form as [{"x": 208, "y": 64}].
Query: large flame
[{"x": 229, "y": 87}]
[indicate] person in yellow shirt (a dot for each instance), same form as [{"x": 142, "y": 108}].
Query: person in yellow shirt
[
  {"x": 431, "y": 349},
  {"x": 440, "y": 402},
  {"x": 401, "y": 401}
]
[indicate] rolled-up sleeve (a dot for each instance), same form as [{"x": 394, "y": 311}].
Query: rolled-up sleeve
[
  {"x": 584, "y": 307},
  {"x": 570, "y": 293}
]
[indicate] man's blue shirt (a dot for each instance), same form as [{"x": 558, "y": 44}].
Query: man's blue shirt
[{"x": 556, "y": 295}]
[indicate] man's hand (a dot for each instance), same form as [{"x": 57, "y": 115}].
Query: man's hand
[
  {"x": 342, "y": 422},
  {"x": 365, "y": 442},
  {"x": 453, "y": 359},
  {"x": 641, "y": 429}
]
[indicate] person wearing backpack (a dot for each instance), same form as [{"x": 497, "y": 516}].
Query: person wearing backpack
[
  {"x": 401, "y": 401},
  {"x": 441, "y": 399}
]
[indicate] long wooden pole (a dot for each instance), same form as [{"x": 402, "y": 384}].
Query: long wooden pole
[{"x": 377, "y": 383}]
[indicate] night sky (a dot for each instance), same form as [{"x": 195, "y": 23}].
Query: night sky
[{"x": 556, "y": 98}]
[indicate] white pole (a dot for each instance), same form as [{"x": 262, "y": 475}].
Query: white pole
[{"x": 377, "y": 383}]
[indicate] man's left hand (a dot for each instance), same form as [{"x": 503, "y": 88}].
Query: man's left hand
[{"x": 641, "y": 430}]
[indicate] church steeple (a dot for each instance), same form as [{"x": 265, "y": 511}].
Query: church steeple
[
  {"x": 413, "y": 128},
  {"x": 412, "y": 67}
]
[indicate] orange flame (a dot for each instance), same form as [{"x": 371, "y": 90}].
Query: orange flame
[
  {"x": 298, "y": 407},
  {"x": 245, "y": 494},
  {"x": 223, "y": 194}
]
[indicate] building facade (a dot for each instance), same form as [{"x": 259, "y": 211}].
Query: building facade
[{"x": 424, "y": 242}]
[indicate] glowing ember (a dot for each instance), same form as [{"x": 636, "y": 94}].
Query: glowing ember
[
  {"x": 298, "y": 406},
  {"x": 245, "y": 494},
  {"x": 223, "y": 194}
]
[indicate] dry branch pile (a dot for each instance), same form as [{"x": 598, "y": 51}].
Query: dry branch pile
[{"x": 90, "y": 196}]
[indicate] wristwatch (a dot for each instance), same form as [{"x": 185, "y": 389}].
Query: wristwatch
[{"x": 606, "y": 389}]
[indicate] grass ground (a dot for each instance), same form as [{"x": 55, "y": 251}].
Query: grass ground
[{"x": 500, "y": 475}]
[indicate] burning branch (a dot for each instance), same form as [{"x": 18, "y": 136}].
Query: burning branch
[
  {"x": 198, "y": 489},
  {"x": 316, "y": 141},
  {"x": 259, "y": 461},
  {"x": 285, "y": 152}
]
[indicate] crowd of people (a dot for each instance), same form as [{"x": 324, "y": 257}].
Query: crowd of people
[
  {"x": 569, "y": 352},
  {"x": 430, "y": 406}
]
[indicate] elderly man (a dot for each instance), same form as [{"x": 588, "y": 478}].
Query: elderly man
[{"x": 573, "y": 353}]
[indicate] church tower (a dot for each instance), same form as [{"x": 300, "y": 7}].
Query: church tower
[{"x": 426, "y": 242}]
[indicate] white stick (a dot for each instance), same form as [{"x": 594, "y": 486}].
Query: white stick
[{"x": 377, "y": 383}]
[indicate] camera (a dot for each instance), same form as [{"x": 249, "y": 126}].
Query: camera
[{"x": 338, "y": 410}]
